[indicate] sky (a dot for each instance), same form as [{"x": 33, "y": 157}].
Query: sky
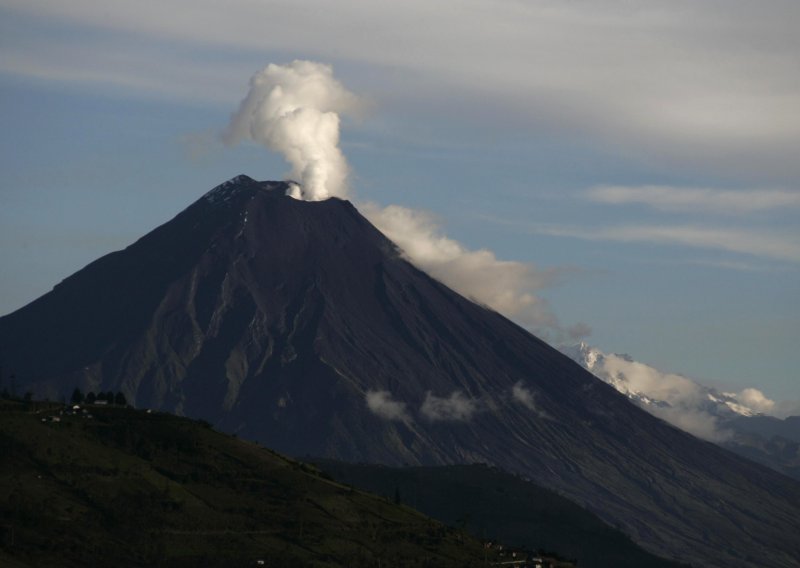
[{"x": 632, "y": 165}]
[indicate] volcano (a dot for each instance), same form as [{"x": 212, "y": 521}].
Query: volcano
[{"x": 298, "y": 324}]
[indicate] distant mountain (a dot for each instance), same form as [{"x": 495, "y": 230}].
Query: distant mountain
[
  {"x": 733, "y": 420},
  {"x": 767, "y": 440},
  {"x": 300, "y": 325},
  {"x": 127, "y": 489},
  {"x": 769, "y": 426}
]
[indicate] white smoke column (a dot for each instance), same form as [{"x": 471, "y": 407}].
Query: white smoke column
[{"x": 294, "y": 109}]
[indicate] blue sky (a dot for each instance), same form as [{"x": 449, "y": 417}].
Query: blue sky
[{"x": 643, "y": 155}]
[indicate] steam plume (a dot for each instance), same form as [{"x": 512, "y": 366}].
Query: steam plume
[
  {"x": 505, "y": 286},
  {"x": 294, "y": 110}
]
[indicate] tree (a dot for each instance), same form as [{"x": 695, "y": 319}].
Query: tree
[
  {"x": 110, "y": 397},
  {"x": 77, "y": 396},
  {"x": 91, "y": 397},
  {"x": 120, "y": 400}
]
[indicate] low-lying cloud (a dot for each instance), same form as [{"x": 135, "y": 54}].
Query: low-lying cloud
[
  {"x": 527, "y": 398},
  {"x": 454, "y": 408},
  {"x": 381, "y": 404}
]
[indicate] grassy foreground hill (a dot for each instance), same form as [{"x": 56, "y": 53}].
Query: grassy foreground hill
[{"x": 129, "y": 488}]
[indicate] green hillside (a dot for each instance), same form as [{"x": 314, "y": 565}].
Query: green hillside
[{"x": 129, "y": 488}]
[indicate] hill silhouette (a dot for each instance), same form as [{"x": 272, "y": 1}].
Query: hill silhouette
[
  {"x": 491, "y": 503},
  {"x": 128, "y": 488}
]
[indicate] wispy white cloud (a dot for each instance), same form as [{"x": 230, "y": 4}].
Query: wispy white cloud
[
  {"x": 527, "y": 398},
  {"x": 695, "y": 199},
  {"x": 729, "y": 265},
  {"x": 454, "y": 408},
  {"x": 381, "y": 404},
  {"x": 128, "y": 70},
  {"x": 761, "y": 244}
]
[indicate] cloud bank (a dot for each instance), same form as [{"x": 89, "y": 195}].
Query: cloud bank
[{"x": 294, "y": 110}]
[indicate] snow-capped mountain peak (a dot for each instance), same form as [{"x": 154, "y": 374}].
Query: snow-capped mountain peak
[{"x": 677, "y": 399}]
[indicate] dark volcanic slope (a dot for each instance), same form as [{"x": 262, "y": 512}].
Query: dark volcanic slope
[{"x": 275, "y": 318}]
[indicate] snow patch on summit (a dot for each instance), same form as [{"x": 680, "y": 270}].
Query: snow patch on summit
[{"x": 224, "y": 191}]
